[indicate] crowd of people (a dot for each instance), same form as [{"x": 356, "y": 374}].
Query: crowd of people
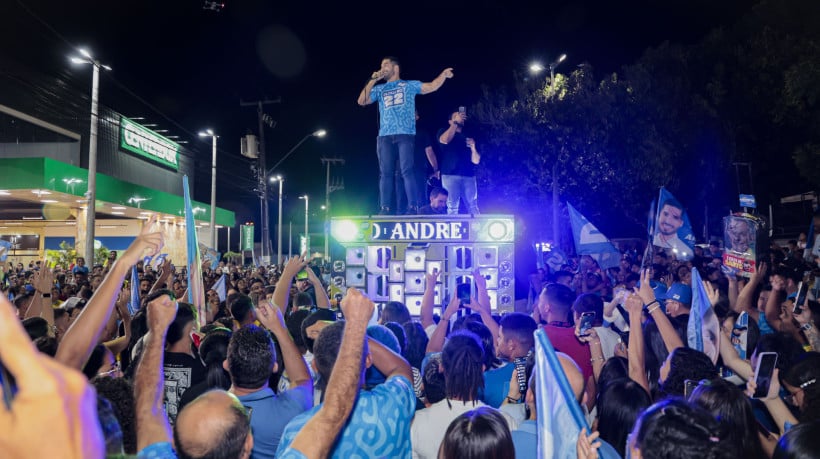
[{"x": 277, "y": 367}]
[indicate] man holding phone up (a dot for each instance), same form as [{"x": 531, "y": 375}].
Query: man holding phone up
[{"x": 459, "y": 158}]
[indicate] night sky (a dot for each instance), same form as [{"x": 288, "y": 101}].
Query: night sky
[{"x": 187, "y": 68}]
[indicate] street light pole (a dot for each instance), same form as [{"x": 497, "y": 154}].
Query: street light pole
[
  {"x": 264, "y": 184},
  {"x": 91, "y": 194},
  {"x": 281, "y": 181},
  {"x": 210, "y": 133},
  {"x": 537, "y": 68},
  {"x": 307, "y": 234}
]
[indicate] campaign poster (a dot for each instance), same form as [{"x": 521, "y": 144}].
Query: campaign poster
[{"x": 740, "y": 240}]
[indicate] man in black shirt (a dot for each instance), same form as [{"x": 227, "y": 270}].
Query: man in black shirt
[
  {"x": 459, "y": 158},
  {"x": 438, "y": 203}
]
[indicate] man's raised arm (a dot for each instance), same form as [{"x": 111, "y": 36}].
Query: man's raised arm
[
  {"x": 317, "y": 436},
  {"x": 84, "y": 334}
]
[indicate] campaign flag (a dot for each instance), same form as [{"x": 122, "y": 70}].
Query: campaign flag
[
  {"x": 590, "y": 241},
  {"x": 556, "y": 259},
  {"x": 671, "y": 228},
  {"x": 703, "y": 329},
  {"x": 134, "y": 303},
  {"x": 209, "y": 255},
  {"x": 219, "y": 287},
  {"x": 559, "y": 416},
  {"x": 5, "y": 247},
  {"x": 196, "y": 292}
]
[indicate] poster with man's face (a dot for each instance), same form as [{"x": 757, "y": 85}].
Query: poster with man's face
[{"x": 739, "y": 238}]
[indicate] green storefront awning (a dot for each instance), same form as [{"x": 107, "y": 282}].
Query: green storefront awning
[{"x": 52, "y": 175}]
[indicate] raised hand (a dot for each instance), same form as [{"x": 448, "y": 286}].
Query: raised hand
[
  {"x": 712, "y": 292},
  {"x": 270, "y": 316},
  {"x": 161, "y": 312},
  {"x": 42, "y": 385},
  {"x": 634, "y": 304},
  {"x": 44, "y": 279},
  {"x": 587, "y": 447},
  {"x": 148, "y": 243},
  {"x": 357, "y": 307},
  {"x": 451, "y": 309},
  {"x": 432, "y": 279},
  {"x": 294, "y": 265},
  {"x": 645, "y": 292},
  {"x": 448, "y": 72}
]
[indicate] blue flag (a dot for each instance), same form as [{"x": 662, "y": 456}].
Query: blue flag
[
  {"x": 590, "y": 241},
  {"x": 559, "y": 416},
  {"x": 134, "y": 304},
  {"x": 672, "y": 229},
  {"x": 5, "y": 247},
  {"x": 219, "y": 287},
  {"x": 703, "y": 329},
  {"x": 196, "y": 292}
]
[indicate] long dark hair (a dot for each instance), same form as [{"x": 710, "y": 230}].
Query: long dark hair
[
  {"x": 213, "y": 351},
  {"x": 478, "y": 434},
  {"x": 805, "y": 375},
  {"x": 800, "y": 442},
  {"x": 673, "y": 429},
  {"x": 463, "y": 362},
  {"x": 620, "y": 403},
  {"x": 730, "y": 405}
]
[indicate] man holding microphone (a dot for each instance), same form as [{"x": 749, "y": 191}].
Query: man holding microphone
[{"x": 397, "y": 127}]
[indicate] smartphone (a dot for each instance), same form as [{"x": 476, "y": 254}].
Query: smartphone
[
  {"x": 800, "y": 299},
  {"x": 586, "y": 322},
  {"x": 689, "y": 386},
  {"x": 462, "y": 110},
  {"x": 766, "y": 362},
  {"x": 464, "y": 292},
  {"x": 9, "y": 386}
]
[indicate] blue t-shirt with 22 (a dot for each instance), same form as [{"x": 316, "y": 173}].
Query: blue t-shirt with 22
[{"x": 397, "y": 106}]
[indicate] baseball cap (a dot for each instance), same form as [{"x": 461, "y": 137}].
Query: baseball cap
[
  {"x": 680, "y": 292},
  {"x": 302, "y": 275}
]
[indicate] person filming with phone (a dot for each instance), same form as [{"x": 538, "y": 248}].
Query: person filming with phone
[{"x": 458, "y": 162}]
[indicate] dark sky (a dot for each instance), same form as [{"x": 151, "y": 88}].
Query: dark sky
[{"x": 193, "y": 66}]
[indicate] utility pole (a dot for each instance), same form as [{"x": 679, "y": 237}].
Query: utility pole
[
  {"x": 330, "y": 188},
  {"x": 262, "y": 179}
]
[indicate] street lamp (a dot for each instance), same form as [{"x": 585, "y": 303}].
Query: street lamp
[
  {"x": 307, "y": 235},
  {"x": 91, "y": 194},
  {"x": 281, "y": 181},
  {"x": 537, "y": 68},
  {"x": 210, "y": 133},
  {"x": 264, "y": 195}
]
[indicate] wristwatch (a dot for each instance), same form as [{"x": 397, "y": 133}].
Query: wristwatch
[{"x": 807, "y": 326}]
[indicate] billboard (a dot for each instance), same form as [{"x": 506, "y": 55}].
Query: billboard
[{"x": 148, "y": 144}]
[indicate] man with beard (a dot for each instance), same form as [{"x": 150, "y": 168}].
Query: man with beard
[
  {"x": 438, "y": 202},
  {"x": 459, "y": 158},
  {"x": 397, "y": 127}
]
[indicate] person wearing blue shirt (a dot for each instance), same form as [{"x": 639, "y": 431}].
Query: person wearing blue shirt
[
  {"x": 379, "y": 425},
  {"x": 397, "y": 127}
]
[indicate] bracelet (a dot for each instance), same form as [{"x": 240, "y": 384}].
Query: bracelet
[
  {"x": 646, "y": 306},
  {"x": 807, "y": 326},
  {"x": 597, "y": 359},
  {"x": 650, "y": 311},
  {"x": 512, "y": 400}
]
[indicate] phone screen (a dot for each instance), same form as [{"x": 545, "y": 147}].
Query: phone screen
[
  {"x": 763, "y": 373},
  {"x": 586, "y": 322},
  {"x": 464, "y": 291},
  {"x": 800, "y": 299}
]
